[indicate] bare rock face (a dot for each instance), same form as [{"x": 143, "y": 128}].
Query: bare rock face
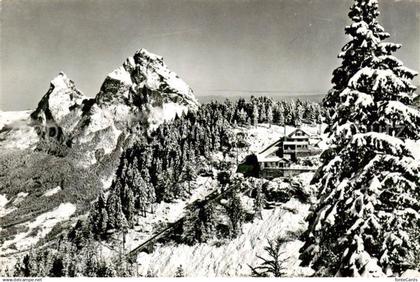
[{"x": 142, "y": 92}]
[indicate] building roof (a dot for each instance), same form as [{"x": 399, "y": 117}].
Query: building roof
[
  {"x": 272, "y": 159},
  {"x": 298, "y": 129},
  {"x": 273, "y": 147},
  {"x": 295, "y": 142}
]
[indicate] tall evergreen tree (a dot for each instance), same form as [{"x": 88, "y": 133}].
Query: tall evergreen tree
[
  {"x": 299, "y": 115},
  {"x": 255, "y": 115},
  {"x": 369, "y": 197},
  {"x": 128, "y": 207},
  {"x": 189, "y": 175},
  {"x": 281, "y": 118},
  {"x": 57, "y": 269},
  {"x": 99, "y": 215},
  {"x": 235, "y": 211},
  {"x": 270, "y": 115},
  {"x": 23, "y": 268},
  {"x": 116, "y": 217}
]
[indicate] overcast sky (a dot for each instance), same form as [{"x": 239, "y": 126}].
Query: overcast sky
[{"x": 219, "y": 47}]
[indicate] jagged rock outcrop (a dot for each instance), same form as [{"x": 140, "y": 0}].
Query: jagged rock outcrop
[
  {"x": 144, "y": 82},
  {"x": 59, "y": 111}
]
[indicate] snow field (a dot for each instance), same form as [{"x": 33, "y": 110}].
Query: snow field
[
  {"x": 232, "y": 258},
  {"x": 44, "y": 222}
]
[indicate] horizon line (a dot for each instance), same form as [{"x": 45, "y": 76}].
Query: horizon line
[{"x": 263, "y": 91}]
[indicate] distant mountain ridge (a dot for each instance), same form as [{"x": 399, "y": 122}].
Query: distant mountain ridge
[
  {"x": 142, "y": 92},
  {"x": 220, "y": 98}
]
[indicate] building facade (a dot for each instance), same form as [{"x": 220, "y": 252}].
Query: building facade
[{"x": 279, "y": 159}]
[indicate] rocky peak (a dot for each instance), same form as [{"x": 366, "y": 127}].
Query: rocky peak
[
  {"x": 58, "y": 104},
  {"x": 62, "y": 81},
  {"x": 145, "y": 78},
  {"x": 142, "y": 92}
]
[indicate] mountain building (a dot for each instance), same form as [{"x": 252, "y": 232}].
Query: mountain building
[{"x": 281, "y": 158}]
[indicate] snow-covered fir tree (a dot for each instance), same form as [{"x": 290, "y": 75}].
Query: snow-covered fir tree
[{"x": 369, "y": 199}]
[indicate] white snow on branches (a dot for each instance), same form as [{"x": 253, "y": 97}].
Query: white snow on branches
[{"x": 379, "y": 141}]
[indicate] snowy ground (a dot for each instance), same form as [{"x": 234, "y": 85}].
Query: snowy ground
[
  {"x": 251, "y": 242},
  {"x": 44, "y": 222},
  {"x": 164, "y": 213},
  {"x": 233, "y": 257},
  {"x": 3, "y": 202},
  {"x": 52, "y": 191},
  {"x": 7, "y": 118},
  {"x": 261, "y": 136},
  {"x": 15, "y": 131}
]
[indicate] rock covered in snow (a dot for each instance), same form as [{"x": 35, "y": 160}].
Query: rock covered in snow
[
  {"x": 60, "y": 106},
  {"x": 142, "y": 92},
  {"x": 146, "y": 72},
  {"x": 145, "y": 83}
]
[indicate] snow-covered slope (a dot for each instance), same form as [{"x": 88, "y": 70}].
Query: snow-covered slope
[
  {"x": 45, "y": 222},
  {"x": 16, "y": 131},
  {"x": 218, "y": 258},
  {"x": 232, "y": 258},
  {"x": 7, "y": 118}
]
